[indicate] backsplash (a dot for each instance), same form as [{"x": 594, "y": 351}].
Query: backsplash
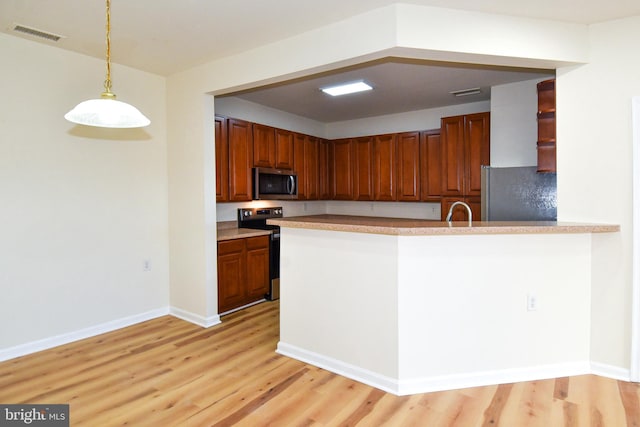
[{"x": 430, "y": 211}]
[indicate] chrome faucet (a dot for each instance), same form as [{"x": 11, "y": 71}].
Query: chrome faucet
[{"x": 450, "y": 214}]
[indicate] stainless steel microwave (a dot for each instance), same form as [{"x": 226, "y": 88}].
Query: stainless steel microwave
[{"x": 274, "y": 184}]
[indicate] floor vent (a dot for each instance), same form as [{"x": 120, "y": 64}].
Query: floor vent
[{"x": 36, "y": 33}]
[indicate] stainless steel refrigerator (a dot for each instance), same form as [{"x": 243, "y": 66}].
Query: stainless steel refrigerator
[{"x": 518, "y": 194}]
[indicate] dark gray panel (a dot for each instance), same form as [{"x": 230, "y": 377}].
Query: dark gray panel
[{"x": 520, "y": 194}]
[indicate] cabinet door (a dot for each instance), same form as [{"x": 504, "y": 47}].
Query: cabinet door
[
  {"x": 460, "y": 212},
  {"x": 257, "y": 268},
  {"x": 324, "y": 184},
  {"x": 240, "y": 159},
  {"x": 363, "y": 168},
  {"x": 430, "y": 166},
  {"x": 341, "y": 174},
  {"x": 452, "y": 139},
  {"x": 264, "y": 148},
  {"x": 231, "y": 294},
  {"x": 311, "y": 170},
  {"x": 384, "y": 167},
  {"x": 476, "y": 150},
  {"x": 222, "y": 159},
  {"x": 409, "y": 167},
  {"x": 298, "y": 164},
  {"x": 284, "y": 149}
]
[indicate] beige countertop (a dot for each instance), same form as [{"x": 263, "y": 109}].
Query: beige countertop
[
  {"x": 229, "y": 230},
  {"x": 417, "y": 227}
]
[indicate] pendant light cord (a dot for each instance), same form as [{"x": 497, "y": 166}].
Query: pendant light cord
[{"x": 107, "y": 82}]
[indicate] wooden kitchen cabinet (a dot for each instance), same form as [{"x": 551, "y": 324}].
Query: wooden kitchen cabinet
[
  {"x": 257, "y": 268},
  {"x": 477, "y": 152},
  {"x": 363, "y": 168},
  {"x": 222, "y": 159},
  {"x": 272, "y": 147},
  {"x": 465, "y": 148},
  {"x": 311, "y": 167},
  {"x": 298, "y": 163},
  {"x": 306, "y": 165},
  {"x": 340, "y": 168},
  {"x": 283, "y": 149},
  {"x": 409, "y": 167},
  {"x": 430, "y": 166},
  {"x": 264, "y": 146},
  {"x": 243, "y": 271},
  {"x": 384, "y": 167},
  {"x": 460, "y": 212},
  {"x": 546, "y": 117},
  {"x": 324, "y": 169},
  {"x": 240, "y": 137}
]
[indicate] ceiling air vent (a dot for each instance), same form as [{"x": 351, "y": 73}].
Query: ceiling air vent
[{"x": 36, "y": 33}]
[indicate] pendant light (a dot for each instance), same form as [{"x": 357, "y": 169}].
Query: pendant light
[{"x": 106, "y": 111}]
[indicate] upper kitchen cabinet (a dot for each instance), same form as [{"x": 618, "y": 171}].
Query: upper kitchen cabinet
[
  {"x": 384, "y": 167},
  {"x": 324, "y": 169},
  {"x": 264, "y": 146},
  {"x": 430, "y": 166},
  {"x": 272, "y": 148},
  {"x": 283, "y": 149},
  {"x": 341, "y": 167},
  {"x": 362, "y": 168},
  {"x": 465, "y": 148},
  {"x": 222, "y": 159},
  {"x": 306, "y": 163},
  {"x": 408, "y": 149},
  {"x": 547, "y": 126},
  {"x": 240, "y": 137}
]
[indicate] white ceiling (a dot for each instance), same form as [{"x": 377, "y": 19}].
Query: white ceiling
[
  {"x": 167, "y": 36},
  {"x": 398, "y": 86}
]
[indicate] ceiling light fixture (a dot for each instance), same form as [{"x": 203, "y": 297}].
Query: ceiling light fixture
[
  {"x": 347, "y": 88},
  {"x": 466, "y": 92},
  {"x": 106, "y": 111}
]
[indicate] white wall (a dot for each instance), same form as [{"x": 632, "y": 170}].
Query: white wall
[
  {"x": 401, "y": 122},
  {"x": 594, "y": 133},
  {"x": 245, "y": 110},
  {"x": 514, "y": 127},
  {"x": 81, "y": 208}
]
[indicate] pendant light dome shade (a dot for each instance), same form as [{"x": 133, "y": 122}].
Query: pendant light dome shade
[{"x": 106, "y": 112}]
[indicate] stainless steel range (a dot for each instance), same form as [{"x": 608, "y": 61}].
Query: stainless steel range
[{"x": 256, "y": 218}]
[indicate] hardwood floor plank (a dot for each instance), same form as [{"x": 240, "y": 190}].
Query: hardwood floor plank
[
  {"x": 167, "y": 372},
  {"x": 494, "y": 411}
]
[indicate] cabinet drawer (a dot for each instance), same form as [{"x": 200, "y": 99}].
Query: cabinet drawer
[
  {"x": 259, "y": 242},
  {"x": 230, "y": 246}
]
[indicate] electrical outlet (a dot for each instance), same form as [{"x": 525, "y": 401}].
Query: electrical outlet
[
  {"x": 532, "y": 302},
  {"x": 146, "y": 265}
]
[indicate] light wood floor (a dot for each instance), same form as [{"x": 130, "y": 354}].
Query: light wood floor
[{"x": 167, "y": 372}]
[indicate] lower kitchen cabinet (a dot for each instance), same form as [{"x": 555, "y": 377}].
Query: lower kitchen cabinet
[
  {"x": 460, "y": 212},
  {"x": 243, "y": 271}
]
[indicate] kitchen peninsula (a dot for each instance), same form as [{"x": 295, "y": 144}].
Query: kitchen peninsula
[{"x": 412, "y": 306}]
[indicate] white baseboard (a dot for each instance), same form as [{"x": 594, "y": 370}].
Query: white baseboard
[
  {"x": 430, "y": 384},
  {"x": 47, "y": 343},
  {"x": 205, "y": 322},
  {"x": 365, "y": 376},
  {"x": 610, "y": 371}
]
